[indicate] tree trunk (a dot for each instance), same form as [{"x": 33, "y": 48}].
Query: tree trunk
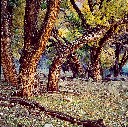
[
  {"x": 54, "y": 74},
  {"x": 116, "y": 66},
  {"x": 54, "y": 71},
  {"x": 96, "y": 51},
  {"x": 95, "y": 65},
  {"x": 123, "y": 60},
  {"x": 33, "y": 50},
  {"x": 72, "y": 60},
  {"x": 7, "y": 61},
  {"x": 74, "y": 64}
]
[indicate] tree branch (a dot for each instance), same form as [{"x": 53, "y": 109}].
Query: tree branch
[
  {"x": 55, "y": 114},
  {"x": 91, "y": 5},
  {"x": 123, "y": 60},
  {"x": 101, "y": 4},
  {"x": 107, "y": 35},
  {"x": 81, "y": 16}
]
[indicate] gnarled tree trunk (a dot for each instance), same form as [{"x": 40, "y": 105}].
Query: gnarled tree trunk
[
  {"x": 72, "y": 61},
  {"x": 7, "y": 61},
  {"x": 34, "y": 47},
  {"x": 54, "y": 71},
  {"x": 74, "y": 64},
  {"x": 86, "y": 38},
  {"x": 96, "y": 51}
]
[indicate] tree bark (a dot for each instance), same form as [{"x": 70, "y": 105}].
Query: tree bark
[
  {"x": 116, "y": 66},
  {"x": 74, "y": 64},
  {"x": 95, "y": 65},
  {"x": 54, "y": 74},
  {"x": 54, "y": 71},
  {"x": 72, "y": 61},
  {"x": 123, "y": 60},
  {"x": 7, "y": 59},
  {"x": 33, "y": 49},
  {"x": 96, "y": 51},
  {"x": 86, "y": 38}
]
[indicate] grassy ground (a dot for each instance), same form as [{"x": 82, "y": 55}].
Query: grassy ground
[{"x": 80, "y": 99}]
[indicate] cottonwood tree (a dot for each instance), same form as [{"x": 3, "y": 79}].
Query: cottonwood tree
[
  {"x": 54, "y": 71},
  {"x": 35, "y": 41},
  {"x": 89, "y": 33},
  {"x": 72, "y": 61}
]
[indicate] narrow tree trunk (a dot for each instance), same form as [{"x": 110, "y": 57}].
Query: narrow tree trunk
[
  {"x": 123, "y": 60},
  {"x": 54, "y": 75},
  {"x": 8, "y": 66},
  {"x": 116, "y": 66},
  {"x": 74, "y": 64},
  {"x": 96, "y": 71},
  {"x": 95, "y": 65}
]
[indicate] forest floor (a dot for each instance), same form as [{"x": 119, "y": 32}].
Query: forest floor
[{"x": 78, "y": 98}]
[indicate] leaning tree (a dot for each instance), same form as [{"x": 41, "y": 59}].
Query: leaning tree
[{"x": 98, "y": 34}]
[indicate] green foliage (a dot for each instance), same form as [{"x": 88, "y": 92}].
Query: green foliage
[
  {"x": 114, "y": 10},
  {"x": 83, "y": 54},
  {"x": 18, "y": 28},
  {"x": 69, "y": 23},
  {"x": 43, "y": 5},
  {"x": 107, "y": 57},
  {"x": 64, "y": 4}
]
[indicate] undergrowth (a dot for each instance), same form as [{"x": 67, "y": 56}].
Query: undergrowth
[{"x": 80, "y": 99}]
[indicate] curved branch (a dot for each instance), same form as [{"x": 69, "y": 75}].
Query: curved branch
[
  {"x": 107, "y": 35},
  {"x": 81, "y": 16},
  {"x": 56, "y": 114},
  {"x": 91, "y": 5}
]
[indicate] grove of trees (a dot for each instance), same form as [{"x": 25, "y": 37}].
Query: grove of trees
[{"x": 66, "y": 29}]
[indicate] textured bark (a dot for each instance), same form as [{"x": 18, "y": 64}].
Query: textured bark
[
  {"x": 86, "y": 38},
  {"x": 72, "y": 61},
  {"x": 74, "y": 64},
  {"x": 116, "y": 66},
  {"x": 59, "y": 60},
  {"x": 7, "y": 59},
  {"x": 33, "y": 49},
  {"x": 96, "y": 51},
  {"x": 95, "y": 65},
  {"x": 54, "y": 75},
  {"x": 123, "y": 60}
]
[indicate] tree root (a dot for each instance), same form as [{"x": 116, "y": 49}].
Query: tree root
[{"x": 55, "y": 114}]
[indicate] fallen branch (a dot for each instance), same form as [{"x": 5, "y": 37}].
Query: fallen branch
[{"x": 56, "y": 114}]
